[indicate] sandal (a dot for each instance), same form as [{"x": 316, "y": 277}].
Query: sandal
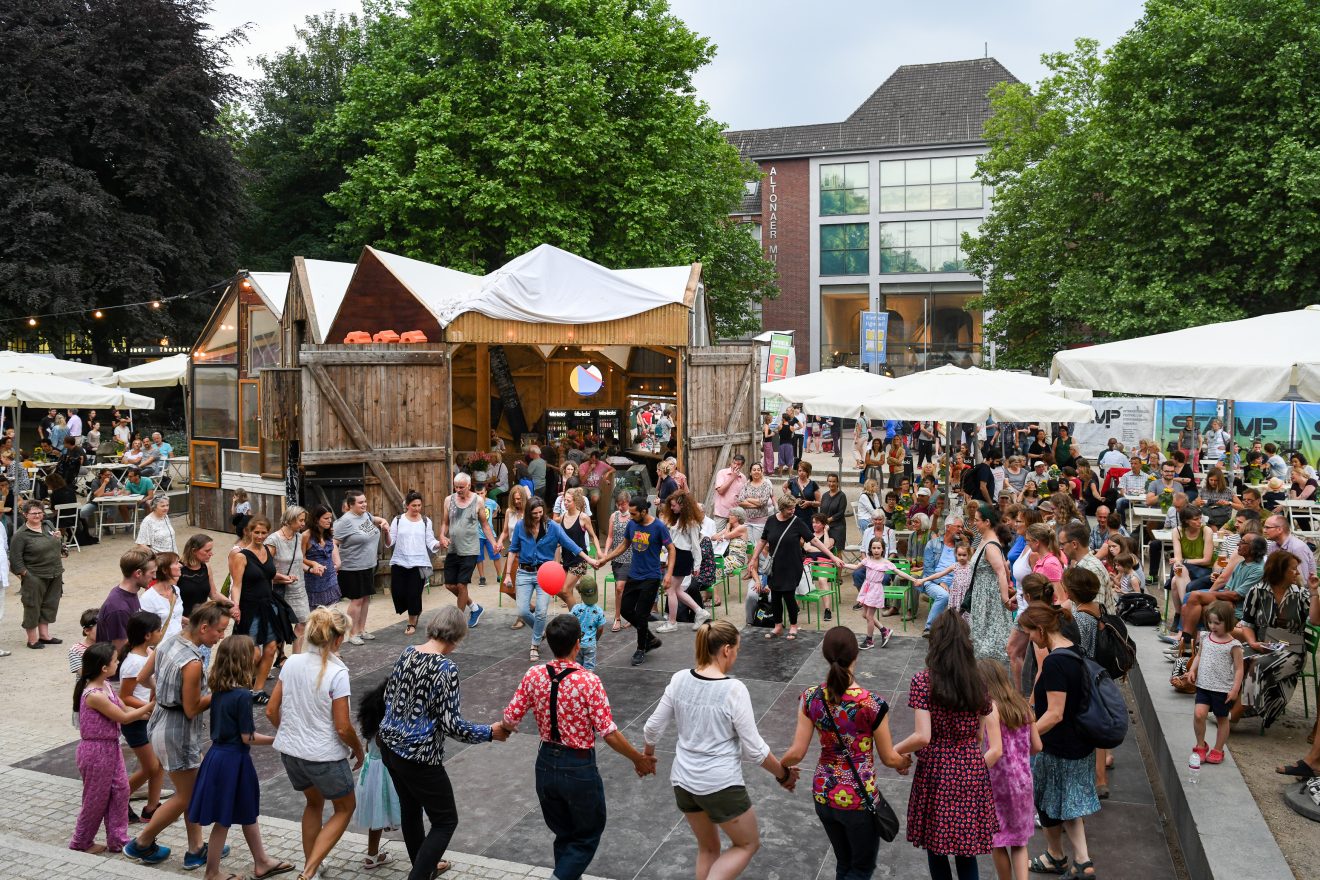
[
  {"x": 517, "y": 624},
  {"x": 409, "y": 629},
  {"x": 1048, "y": 864},
  {"x": 1079, "y": 870},
  {"x": 440, "y": 868},
  {"x": 772, "y": 635},
  {"x": 370, "y": 863},
  {"x": 792, "y": 635},
  {"x": 618, "y": 625},
  {"x": 1300, "y": 769},
  {"x": 281, "y": 868}
]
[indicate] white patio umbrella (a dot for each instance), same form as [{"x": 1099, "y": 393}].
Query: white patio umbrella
[
  {"x": 824, "y": 382},
  {"x": 1251, "y": 359},
  {"x": 163, "y": 373},
  {"x": 34, "y": 389},
  {"x": 951, "y": 394},
  {"x": 23, "y": 362},
  {"x": 1034, "y": 383}
]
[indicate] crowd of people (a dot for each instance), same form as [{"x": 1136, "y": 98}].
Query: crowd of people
[{"x": 1022, "y": 574}]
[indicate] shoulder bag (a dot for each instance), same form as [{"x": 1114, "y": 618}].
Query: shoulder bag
[
  {"x": 882, "y": 815},
  {"x": 966, "y": 606}
]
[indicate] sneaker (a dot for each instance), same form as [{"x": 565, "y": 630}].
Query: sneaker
[
  {"x": 827, "y": 615},
  {"x": 857, "y": 606},
  {"x": 666, "y": 627},
  {"x": 638, "y": 658},
  {"x": 885, "y": 635},
  {"x": 369, "y": 636},
  {"x": 534, "y": 655},
  {"x": 133, "y": 817},
  {"x": 653, "y": 644},
  {"x": 148, "y": 855},
  {"x": 480, "y": 583},
  {"x": 925, "y": 633},
  {"x": 356, "y": 640},
  {"x": 867, "y": 644},
  {"x": 474, "y": 614},
  {"x": 702, "y": 616},
  {"x": 192, "y": 861}
]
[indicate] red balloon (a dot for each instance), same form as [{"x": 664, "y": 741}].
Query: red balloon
[{"x": 550, "y": 577}]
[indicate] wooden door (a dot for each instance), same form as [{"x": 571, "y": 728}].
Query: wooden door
[
  {"x": 385, "y": 407},
  {"x": 721, "y": 403}
]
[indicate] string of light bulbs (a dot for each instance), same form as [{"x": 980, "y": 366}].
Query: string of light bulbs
[{"x": 99, "y": 312}]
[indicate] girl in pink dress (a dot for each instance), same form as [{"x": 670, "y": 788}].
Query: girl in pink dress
[
  {"x": 101, "y": 763},
  {"x": 872, "y": 594},
  {"x": 1010, "y": 777}
]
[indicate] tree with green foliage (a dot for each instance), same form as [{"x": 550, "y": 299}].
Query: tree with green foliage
[
  {"x": 1173, "y": 182},
  {"x": 493, "y": 126},
  {"x": 119, "y": 185},
  {"x": 290, "y": 169}
]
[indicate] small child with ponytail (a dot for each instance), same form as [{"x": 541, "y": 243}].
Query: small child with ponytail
[
  {"x": 1010, "y": 777},
  {"x": 101, "y": 763},
  {"x": 377, "y": 801},
  {"x": 227, "y": 791}
]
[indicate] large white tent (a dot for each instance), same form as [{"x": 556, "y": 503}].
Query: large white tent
[
  {"x": 953, "y": 394},
  {"x": 163, "y": 373},
  {"x": 44, "y": 365},
  {"x": 831, "y": 382},
  {"x": 1252, "y": 359}
]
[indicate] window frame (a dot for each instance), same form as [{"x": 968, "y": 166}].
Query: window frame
[
  {"x": 194, "y": 459},
  {"x": 245, "y": 442},
  {"x": 865, "y": 249},
  {"x": 847, "y": 187}
]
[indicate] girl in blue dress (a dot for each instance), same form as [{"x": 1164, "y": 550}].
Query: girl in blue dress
[
  {"x": 377, "y": 801},
  {"x": 227, "y": 792}
]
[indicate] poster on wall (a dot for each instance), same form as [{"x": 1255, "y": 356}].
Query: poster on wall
[
  {"x": 1267, "y": 422},
  {"x": 874, "y": 330},
  {"x": 1129, "y": 419},
  {"x": 778, "y": 361},
  {"x": 1172, "y": 414},
  {"x": 1307, "y": 426}
]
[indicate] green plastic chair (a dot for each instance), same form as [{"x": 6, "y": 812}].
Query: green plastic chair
[
  {"x": 821, "y": 571},
  {"x": 901, "y": 591}
]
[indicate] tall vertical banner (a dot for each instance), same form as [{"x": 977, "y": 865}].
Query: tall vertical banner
[
  {"x": 1172, "y": 414},
  {"x": 1308, "y": 429},
  {"x": 779, "y": 362},
  {"x": 1128, "y": 419},
  {"x": 1267, "y": 422},
  {"x": 875, "y": 331}
]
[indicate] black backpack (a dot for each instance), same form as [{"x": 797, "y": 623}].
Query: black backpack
[
  {"x": 1138, "y": 609},
  {"x": 1115, "y": 651},
  {"x": 1103, "y": 719}
]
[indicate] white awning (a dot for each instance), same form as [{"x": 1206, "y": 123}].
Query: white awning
[
  {"x": 22, "y": 362},
  {"x": 807, "y": 386},
  {"x": 163, "y": 373},
  {"x": 34, "y": 389},
  {"x": 1253, "y": 359}
]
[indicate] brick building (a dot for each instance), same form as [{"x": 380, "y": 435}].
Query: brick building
[{"x": 868, "y": 214}]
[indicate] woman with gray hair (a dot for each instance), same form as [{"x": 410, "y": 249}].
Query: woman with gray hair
[
  {"x": 286, "y": 548},
  {"x": 156, "y": 535},
  {"x": 421, "y": 709}
]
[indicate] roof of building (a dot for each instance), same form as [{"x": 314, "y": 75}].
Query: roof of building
[
  {"x": 919, "y": 105},
  {"x": 273, "y": 288}
]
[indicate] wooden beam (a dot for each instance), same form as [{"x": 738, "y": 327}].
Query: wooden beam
[
  {"x": 729, "y": 438},
  {"x": 711, "y": 440},
  {"x": 354, "y": 430},
  {"x": 698, "y": 358},
  {"x": 357, "y": 456},
  {"x": 370, "y": 355},
  {"x": 483, "y": 398}
]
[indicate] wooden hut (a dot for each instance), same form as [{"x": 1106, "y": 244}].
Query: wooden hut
[{"x": 505, "y": 355}]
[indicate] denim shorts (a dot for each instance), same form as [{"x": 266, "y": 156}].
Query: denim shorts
[
  {"x": 333, "y": 779},
  {"x": 135, "y": 733}
]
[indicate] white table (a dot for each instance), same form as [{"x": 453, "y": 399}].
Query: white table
[
  {"x": 177, "y": 468},
  {"x": 134, "y": 504},
  {"x": 1145, "y": 514}
]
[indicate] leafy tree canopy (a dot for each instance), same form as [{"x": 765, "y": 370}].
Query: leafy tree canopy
[
  {"x": 1175, "y": 181},
  {"x": 492, "y": 126},
  {"x": 118, "y": 183}
]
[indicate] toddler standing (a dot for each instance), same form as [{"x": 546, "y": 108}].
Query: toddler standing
[
  {"x": 377, "y": 801},
  {"x": 88, "y": 623},
  {"x": 101, "y": 763},
  {"x": 227, "y": 792},
  {"x": 1217, "y": 672},
  {"x": 592, "y": 620},
  {"x": 962, "y": 578},
  {"x": 1010, "y": 776},
  {"x": 872, "y": 595}
]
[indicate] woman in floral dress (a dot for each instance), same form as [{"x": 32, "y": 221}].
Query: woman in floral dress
[
  {"x": 951, "y": 810},
  {"x": 993, "y": 599},
  {"x": 854, "y": 734},
  {"x": 321, "y": 558}
]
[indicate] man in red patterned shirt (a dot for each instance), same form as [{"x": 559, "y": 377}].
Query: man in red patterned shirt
[{"x": 571, "y": 710}]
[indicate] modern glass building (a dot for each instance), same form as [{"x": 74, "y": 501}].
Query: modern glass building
[{"x": 870, "y": 214}]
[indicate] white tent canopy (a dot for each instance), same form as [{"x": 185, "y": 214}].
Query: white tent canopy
[
  {"x": 40, "y": 364},
  {"x": 34, "y": 389},
  {"x": 956, "y": 395},
  {"x": 1252, "y": 359},
  {"x": 1030, "y": 382},
  {"x": 163, "y": 373},
  {"x": 833, "y": 381}
]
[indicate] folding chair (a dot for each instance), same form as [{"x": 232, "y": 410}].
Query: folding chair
[{"x": 66, "y": 519}]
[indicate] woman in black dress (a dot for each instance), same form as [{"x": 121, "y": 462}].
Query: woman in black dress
[{"x": 252, "y": 590}]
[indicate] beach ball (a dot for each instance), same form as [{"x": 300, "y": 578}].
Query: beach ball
[
  {"x": 586, "y": 379},
  {"x": 550, "y": 577}
]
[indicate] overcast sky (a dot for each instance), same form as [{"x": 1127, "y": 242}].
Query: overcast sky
[{"x": 789, "y": 62}]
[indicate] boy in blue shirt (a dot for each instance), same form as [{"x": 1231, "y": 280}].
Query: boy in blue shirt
[
  {"x": 647, "y": 536},
  {"x": 591, "y": 618}
]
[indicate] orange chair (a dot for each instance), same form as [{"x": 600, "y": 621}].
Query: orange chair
[
  {"x": 386, "y": 336},
  {"x": 357, "y": 337},
  {"x": 413, "y": 336}
]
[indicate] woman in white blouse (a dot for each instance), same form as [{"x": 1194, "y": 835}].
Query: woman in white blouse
[
  {"x": 156, "y": 534},
  {"x": 162, "y": 597},
  {"x": 867, "y": 504},
  {"x": 413, "y": 538},
  {"x": 716, "y": 733}
]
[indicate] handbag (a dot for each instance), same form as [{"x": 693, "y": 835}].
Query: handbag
[{"x": 882, "y": 815}]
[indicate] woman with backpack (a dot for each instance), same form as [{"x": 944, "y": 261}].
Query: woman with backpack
[{"x": 1063, "y": 773}]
